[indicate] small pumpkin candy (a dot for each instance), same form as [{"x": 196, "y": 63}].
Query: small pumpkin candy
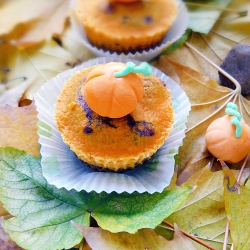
[
  {"x": 112, "y": 96},
  {"x": 222, "y": 142}
]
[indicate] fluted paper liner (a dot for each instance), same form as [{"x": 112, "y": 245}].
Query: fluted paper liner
[
  {"x": 177, "y": 30},
  {"x": 62, "y": 168}
]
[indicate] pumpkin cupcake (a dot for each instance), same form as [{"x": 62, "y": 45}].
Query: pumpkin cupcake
[
  {"x": 125, "y": 26},
  {"x": 114, "y": 117}
]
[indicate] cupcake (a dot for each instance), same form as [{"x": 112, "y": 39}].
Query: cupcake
[
  {"x": 126, "y": 26},
  {"x": 114, "y": 116}
]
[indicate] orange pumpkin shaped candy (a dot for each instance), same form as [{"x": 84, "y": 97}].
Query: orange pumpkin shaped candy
[
  {"x": 112, "y": 96},
  {"x": 222, "y": 142}
]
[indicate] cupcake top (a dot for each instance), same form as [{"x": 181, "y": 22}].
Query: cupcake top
[
  {"x": 106, "y": 141},
  {"x": 127, "y": 18},
  {"x": 114, "y": 90}
]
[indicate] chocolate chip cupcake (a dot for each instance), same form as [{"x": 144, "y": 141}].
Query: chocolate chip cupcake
[
  {"x": 114, "y": 119},
  {"x": 126, "y": 26}
]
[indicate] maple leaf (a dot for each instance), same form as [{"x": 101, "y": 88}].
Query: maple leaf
[
  {"x": 18, "y": 128},
  {"x": 143, "y": 239},
  {"x": 31, "y": 21}
]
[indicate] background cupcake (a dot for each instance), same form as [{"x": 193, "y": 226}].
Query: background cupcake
[{"x": 137, "y": 29}]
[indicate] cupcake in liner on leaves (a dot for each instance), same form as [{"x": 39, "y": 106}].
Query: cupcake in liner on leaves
[
  {"x": 111, "y": 125},
  {"x": 138, "y": 29}
]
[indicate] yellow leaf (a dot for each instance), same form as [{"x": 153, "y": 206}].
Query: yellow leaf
[
  {"x": 71, "y": 42},
  {"x": 33, "y": 21},
  {"x": 19, "y": 129},
  {"x": 37, "y": 64},
  {"x": 237, "y": 203},
  {"x": 98, "y": 238},
  {"x": 208, "y": 102}
]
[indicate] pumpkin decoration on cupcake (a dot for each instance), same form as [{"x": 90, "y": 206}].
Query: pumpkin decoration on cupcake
[
  {"x": 228, "y": 138},
  {"x": 114, "y": 94},
  {"x": 114, "y": 116}
]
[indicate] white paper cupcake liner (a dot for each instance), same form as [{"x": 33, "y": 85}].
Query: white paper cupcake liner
[
  {"x": 177, "y": 30},
  {"x": 61, "y": 166}
]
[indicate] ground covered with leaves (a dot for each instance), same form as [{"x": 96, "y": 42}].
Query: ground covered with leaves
[{"x": 207, "y": 203}]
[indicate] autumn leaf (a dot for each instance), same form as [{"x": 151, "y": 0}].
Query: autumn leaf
[
  {"x": 203, "y": 14},
  {"x": 71, "y": 42},
  {"x": 5, "y": 242},
  {"x": 32, "y": 22},
  {"x": 143, "y": 239},
  {"x": 237, "y": 203},
  {"x": 19, "y": 128},
  {"x": 208, "y": 102},
  {"x": 204, "y": 210},
  {"x": 42, "y": 213},
  {"x": 37, "y": 64}
]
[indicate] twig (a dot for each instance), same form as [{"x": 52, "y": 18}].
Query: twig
[
  {"x": 190, "y": 236},
  {"x": 237, "y": 12}
]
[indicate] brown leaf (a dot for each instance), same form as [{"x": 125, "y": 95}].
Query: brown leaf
[
  {"x": 32, "y": 21},
  {"x": 98, "y": 238},
  {"x": 5, "y": 242},
  {"x": 19, "y": 129},
  {"x": 208, "y": 101}
]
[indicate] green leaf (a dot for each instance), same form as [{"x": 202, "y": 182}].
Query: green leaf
[{"x": 42, "y": 213}]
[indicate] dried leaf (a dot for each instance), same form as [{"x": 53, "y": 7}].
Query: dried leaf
[
  {"x": 202, "y": 18},
  {"x": 13, "y": 95},
  {"x": 37, "y": 64},
  {"x": 18, "y": 128},
  {"x": 208, "y": 101},
  {"x": 237, "y": 203},
  {"x": 5, "y": 242},
  {"x": 32, "y": 21},
  {"x": 203, "y": 213},
  {"x": 143, "y": 239},
  {"x": 70, "y": 41}
]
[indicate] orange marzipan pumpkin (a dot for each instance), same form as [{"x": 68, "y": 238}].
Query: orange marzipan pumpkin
[
  {"x": 112, "y": 96},
  {"x": 222, "y": 143}
]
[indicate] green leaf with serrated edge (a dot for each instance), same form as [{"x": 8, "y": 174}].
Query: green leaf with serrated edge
[{"x": 42, "y": 213}]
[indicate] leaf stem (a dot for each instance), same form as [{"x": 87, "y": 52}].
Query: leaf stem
[
  {"x": 236, "y": 83},
  {"x": 22, "y": 77},
  {"x": 237, "y": 12},
  {"x": 190, "y": 236},
  {"x": 226, "y": 237}
]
